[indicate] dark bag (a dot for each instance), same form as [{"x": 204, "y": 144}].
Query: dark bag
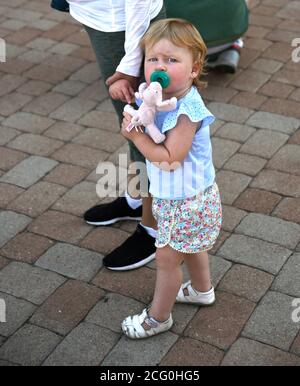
[
  {"x": 60, "y": 5},
  {"x": 218, "y": 21}
]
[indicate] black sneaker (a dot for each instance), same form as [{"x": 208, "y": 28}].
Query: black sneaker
[
  {"x": 117, "y": 210},
  {"x": 137, "y": 250}
]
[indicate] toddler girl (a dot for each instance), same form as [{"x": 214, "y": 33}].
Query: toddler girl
[{"x": 186, "y": 201}]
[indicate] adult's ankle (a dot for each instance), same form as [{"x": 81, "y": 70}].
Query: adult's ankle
[{"x": 134, "y": 203}]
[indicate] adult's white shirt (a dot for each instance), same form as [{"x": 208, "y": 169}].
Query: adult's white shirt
[{"x": 131, "y": 16}]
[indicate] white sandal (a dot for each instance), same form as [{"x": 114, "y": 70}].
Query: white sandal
[
  {"x": 195, "y": 297},
  {"x": 132, "y": 326}
]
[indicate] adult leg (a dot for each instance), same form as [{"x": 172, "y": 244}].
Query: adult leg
[
  {"x": 109, "y": 50},
  {"x": 142, "y": 190},
  {"x": 139, "y": 248}
]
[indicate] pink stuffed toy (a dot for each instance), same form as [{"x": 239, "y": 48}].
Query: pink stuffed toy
[{"x": 152, "y": 101}]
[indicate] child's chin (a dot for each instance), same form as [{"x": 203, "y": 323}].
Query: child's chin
[{"x": 169, "y": 90}]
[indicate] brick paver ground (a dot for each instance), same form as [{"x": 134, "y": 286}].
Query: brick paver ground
[{"x": 57, "y": 124}]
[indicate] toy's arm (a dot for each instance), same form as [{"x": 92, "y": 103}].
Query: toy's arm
[
  {"x": 167, "y": 105},
  {"x": 132, "y": 112}
]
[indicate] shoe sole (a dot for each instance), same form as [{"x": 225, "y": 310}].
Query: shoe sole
[
  {"x": 108, "y": 222},
  {"x": 133, "y": 266},
  {"x": 145, "y": 337},
  {"x": 197, "y": 304}
]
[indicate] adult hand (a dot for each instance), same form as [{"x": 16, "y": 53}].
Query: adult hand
[
  {"x": 122, "y": 90},
  {"x": 133, "y": 80}
]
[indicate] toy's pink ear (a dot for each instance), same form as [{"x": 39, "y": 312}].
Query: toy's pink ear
[{"x": 142, "y": 88}]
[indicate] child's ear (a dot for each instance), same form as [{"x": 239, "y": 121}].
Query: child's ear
[{"x": 195, "y": 70}]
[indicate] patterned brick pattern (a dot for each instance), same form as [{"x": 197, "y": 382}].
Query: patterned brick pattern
[{"x": 57, "y": 123}]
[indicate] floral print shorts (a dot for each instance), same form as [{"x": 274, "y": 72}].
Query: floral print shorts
[{"x": 190, "y": 225}]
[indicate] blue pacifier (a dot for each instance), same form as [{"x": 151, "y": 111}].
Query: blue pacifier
[{"x": 161, "y": 77}]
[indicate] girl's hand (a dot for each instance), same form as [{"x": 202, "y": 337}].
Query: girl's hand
[
  {"x": 134, "y": 132},
  {"x": 122, "y": 90}
]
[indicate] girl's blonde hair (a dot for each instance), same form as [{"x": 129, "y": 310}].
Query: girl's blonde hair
[{"x": 182, "y": 34}]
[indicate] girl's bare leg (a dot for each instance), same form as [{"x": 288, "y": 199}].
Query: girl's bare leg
[
  {"x": 168, "y": 282},
  {"x": 198, "y": 267}
]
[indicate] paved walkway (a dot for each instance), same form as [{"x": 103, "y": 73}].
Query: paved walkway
[{"x": 57, "y": 124}]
